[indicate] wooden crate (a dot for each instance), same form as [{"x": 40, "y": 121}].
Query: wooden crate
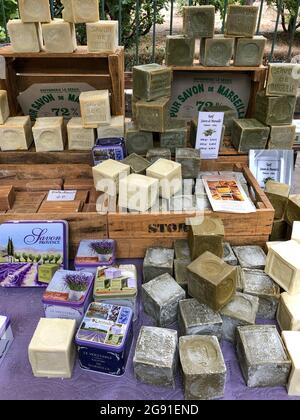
[{"x": 102, "y": 71}]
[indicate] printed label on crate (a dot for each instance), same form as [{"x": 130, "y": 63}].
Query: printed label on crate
[
  {"x": 53, "y": 100},
  {"x": 57, "y": 195},
  {"x": 193, "y": 92}
]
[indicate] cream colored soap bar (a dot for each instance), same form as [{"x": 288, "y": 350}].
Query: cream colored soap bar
[
  {"x": 4, "y": 108},
  {"x": 283, "y": 266},
  {"x": 296, "y": 232},
  {"x": 59, "y": 36},
  {"x": 95, "y": 108},
  {"x": 25, "y": 37},
  {"x": 16, "y": 134},
  {"x": 138, "y": 192},
  {"x": 80, "y": 138},
  {"x": 116, "y": 128},
  {"x": 169, "y": 174},
  {"x": 78, "y": 11},
  {"x": 270, "y": 245},
  {"x": 107, "y": 176},
  {"x": 291, "y": 340},
  {"x": 103, "y": 36},
  {"x": 34, "y": 11},
  {"x": 49, "y": 134},
  {"x": 288, "y": 315},
  {"x": 52, "y": 351}
]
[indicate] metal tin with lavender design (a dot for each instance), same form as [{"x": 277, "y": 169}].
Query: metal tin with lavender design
[
  {"x": 111, "y": 148},
  {"x": 68, "y": 295},
  {"x": 6, "y": 336},
  {"x": 104, "y": 339},
  {"x": 31, "y": 251},
  {"x": 92, "y": 254}
]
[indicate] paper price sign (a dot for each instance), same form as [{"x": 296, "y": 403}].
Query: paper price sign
[
  {"x": 56, "y": 195},
  {"x": 210, "y": 126}
]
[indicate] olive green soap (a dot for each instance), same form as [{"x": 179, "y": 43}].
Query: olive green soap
[
  {"x": 278, "y": 194},
  {"x": 249, "y": 51},
  {"x": 282, "y": 137},
  {"x": 153, "y": 116},
  {"x": 279, "y": 230},
  {"x": 180, "y": 50},
  {"x": 175, "y": 135},
  {"x": 158, "y": 153},
  {"x": 152, "y": 81},
  {"x": 138, "y": 164},
  {"x": 273, "y": 110},
  {"x": 283, "y": 79},
  {"x": 249, "y": 134},
  {"x": 241, "y": 21},
  {"x": 190, "y": 160},
  {"x": 199, "y": 21},
  {"x": 137, "y": 141},
  {"x": 229, "y": 115},
  {"x": 217, "y": 51},
  {"x": 292, "y": 213}
]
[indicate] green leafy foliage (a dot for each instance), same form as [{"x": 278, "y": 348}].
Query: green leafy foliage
[{"x": 288, "y": 12}]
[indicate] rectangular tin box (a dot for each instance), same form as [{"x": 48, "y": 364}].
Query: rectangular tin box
[
  {"x": 92, "y": 254},
  {"x": 27, "y": 246},
  {"x": 111, "y": 148},
  {"x": 6, "y": 336},
  {"x": 68, "y": 295},
  {"x": 104, "y": 339}
]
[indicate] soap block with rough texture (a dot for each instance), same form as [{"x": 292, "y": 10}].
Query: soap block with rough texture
[
  {"x": 263, "y": 358},
  {"x": 49, "y": 134},
  {"x": 137, "y": 163},
  {"x": 229, "y": 115},
  {"x": 229, "y": 256},
  {"x": 291, "y": 340},
  {"x": 199, "y": 21},
  {"x": 211, "y": 281},
  {"x": 207, "y": 236},
  {"x": 77, "y": 11},
  {"x": 241, "y": 21},
  {"x": 116, "y": 128},
  {"x": 190, "y": 160},
  {"x": 80, "y": 138},
  {"x": 34, "y": 11},
  {"x": 138, "y": 192},
  {"x": 203, "y": 366},
  {"x": 56, "y": 31},
  {"x": 137, "y": 141},
  {"x": 152, "y": 116},
  {"x": 169, "y": 175},
  {"x": 249, "y": 52},
  {"x": 108, "y": 174},
  {"x": 103, "y": 36},
  {"x": 151, "y": 82},
  {"x": 182, "y": 249},
  {"x": 283, "y": 266},
  {"x": 259, "y": 284},
  {"x": 241, "y": 310},
  {"x": 157, "y": 261},
  {"x": 216, "y": 51},
  {"x": 279, "y": 230},
  {"x": 249, "y": 134},
  {"x": 161, "y": 297},
  {"x": 158, "y": 153},
  {"x": 196, "y": 318},
  {"x": 181, "y": 272},
  {"x": 283, "y": 79},
  {"x": 278, "y": 194},
  {"x": 25, "y": 37},
  {"x": 274, "y": 110},
  {"x": 175, "y": 135},
  {"x": 52, "y": 351},
  {"x": 95, "y": 108},
  {"x": 282, "y": 137},
  {"x": 156, "y": 356},
  {"x": 180, "y": 50},
  {"x": 240, "y": 279},
  {"x": 288, "y": 315},
  {"x": 292, "y": 213},
  {"x": 4, "y": 107},
  {"x": 251, "y": 256},
  {"x": 16, "y": 134}
]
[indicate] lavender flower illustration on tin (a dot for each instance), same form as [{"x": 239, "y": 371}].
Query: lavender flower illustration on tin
[
  {"x": 78, "y": 284},
  {"x": 104, "y": 249}
]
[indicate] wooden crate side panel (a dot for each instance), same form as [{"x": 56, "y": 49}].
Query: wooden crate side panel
[
  {"x": 37, "y": 158},
  {"x": 24, "y": 172}
]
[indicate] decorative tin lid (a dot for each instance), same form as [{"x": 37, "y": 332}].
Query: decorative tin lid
[
  {"x": 69, "y": 288},
  {"x": 105, "y": 326},
  {"x": 4, "y": 324},
  {"x": 96, "y": 253},
  {"x": 123, "y": 286}
]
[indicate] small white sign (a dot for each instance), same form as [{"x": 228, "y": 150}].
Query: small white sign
[
  {"x": 57, "y": 195},
  {"x": 210, "y": 126}
]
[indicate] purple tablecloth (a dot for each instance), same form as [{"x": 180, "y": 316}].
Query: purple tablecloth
[{"x": 16, "y": 381}]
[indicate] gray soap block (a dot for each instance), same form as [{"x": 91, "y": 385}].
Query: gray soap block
[
  {"x": 158, "y": 261},
  {"x": 250, "y": 256}
]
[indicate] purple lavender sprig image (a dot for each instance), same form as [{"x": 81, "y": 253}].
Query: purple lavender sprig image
[
  {"x": 101, "y": 247},
  {"x": 77, "y": 282}
]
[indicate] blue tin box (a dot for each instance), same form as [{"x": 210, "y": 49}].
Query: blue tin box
[
  {"x": 6, "y": 336},
  {"x": 111, "y": 148},
  {"x": 104, "y": 338}
]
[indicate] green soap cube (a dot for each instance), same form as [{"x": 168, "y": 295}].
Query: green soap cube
[
  {"x": 249, "y": 51},
  {"x": 282, "y": 137},
  {"x": 249, "y": 134},
  {"x": 283, "y": 79},
  {"x": 229, "y": 115},
  {"x": 158, "y": 153},
  {"x": 217, "y": 51},
  {"x": 175, "y": 135},
  {"x": 138, "y": 164},
  {"x": 273, "y": 110},
  {"x": 153, "y": 116},
  {"x": 190, "y": 162},
  {"x": 241, "y": 21},
  {"x": 137, "y": 141},
  {"x": 152, "y": 81},
  {"x": 180, "y": 50},
  {"x": 46, "y": 272},
  {"x": 199, "y": 21},
  {"x": 279, "y": 230}
]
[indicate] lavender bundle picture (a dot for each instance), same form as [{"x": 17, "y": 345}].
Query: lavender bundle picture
[
  {"x": 104, "y": 250},
  {"x": 77, "y": 282}
]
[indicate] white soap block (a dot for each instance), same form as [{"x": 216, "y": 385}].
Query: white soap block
[
  {"x": 283, "y": 266},
  {"x": 4, "y": 108},
  {"x": 80, "y": 138},
  {"x": 270, "y": 245},
  {"x": 296, "y": 232},
  {"x": 67, "y": 13},
  {"x": 103, "y": 36},
  {"x": 288, "y": 315},
  {"x": 59, "y": 36},
  {"x": 169, "y": 174},
  {"x": 291, "y": 340},
  {"x": 79, "y": 11},
  {"x": 49, "y": 134},
  {"x": 108, "y": 174},
  {"x": 34, "y": 11},
  {"x": 16, "y": 134},
  {"x": 52, "y": 351},
  {"x": 95, "y": 108},
  {"x": 25, "y": 37},
  {"x": 138, "y": 192},
  {"x": 116, "y": 128}
]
